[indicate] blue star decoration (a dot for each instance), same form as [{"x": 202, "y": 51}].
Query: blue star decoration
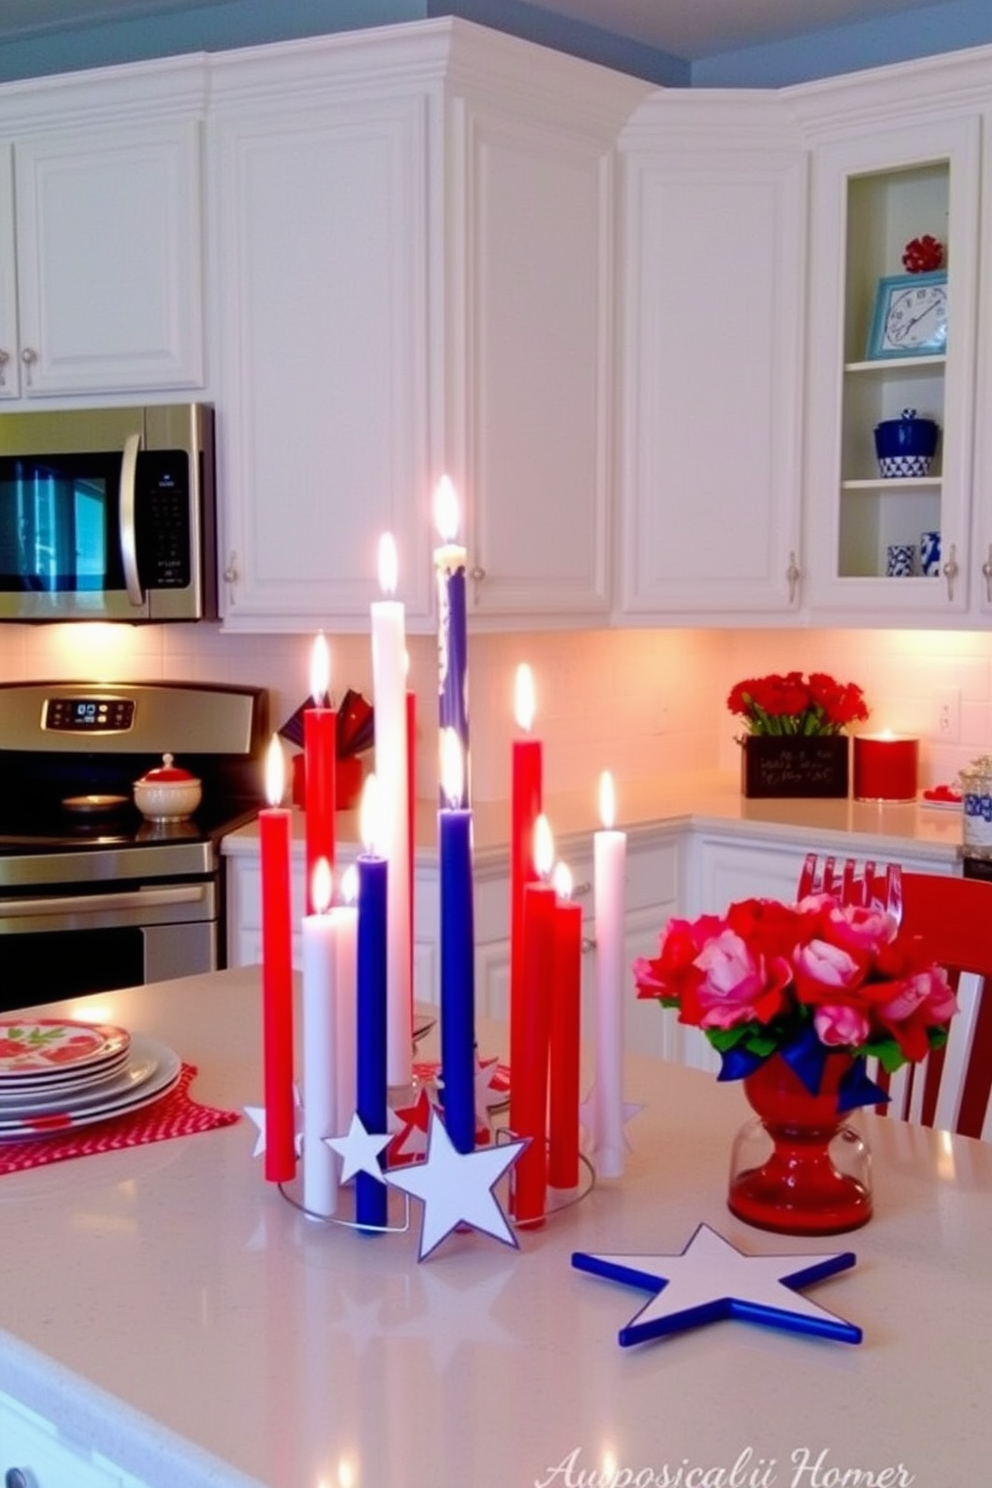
[
  {"x": 711, "y": 1280},
  {"x": 457, "y": 1187}
]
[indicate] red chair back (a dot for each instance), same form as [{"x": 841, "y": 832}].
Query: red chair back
[{"x": 953, "y": 917}]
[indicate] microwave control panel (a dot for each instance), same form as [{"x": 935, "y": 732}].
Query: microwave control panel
[{"x": 163, "y": 519}]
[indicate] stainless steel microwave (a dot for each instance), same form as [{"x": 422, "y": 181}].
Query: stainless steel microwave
[{"x": 108, "y": 514}]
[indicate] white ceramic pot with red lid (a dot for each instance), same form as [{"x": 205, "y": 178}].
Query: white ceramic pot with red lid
[{"x": 168, "y": 792}]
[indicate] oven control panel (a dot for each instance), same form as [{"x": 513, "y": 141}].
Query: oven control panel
[{"x": 89, "y": 715}]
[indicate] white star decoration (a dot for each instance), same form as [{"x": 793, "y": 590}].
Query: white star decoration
[
  {"x": 589, "y": 1120},
  {"x": 359, "y": 1150},
  {"x": 457, "y": 1188},
  {"x": 256, "y": 1115},
  {"x": 711, "y": 1280}
]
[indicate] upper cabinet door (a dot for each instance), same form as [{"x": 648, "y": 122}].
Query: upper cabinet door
[
  {"x": 109, "y": 260},
  {"x": 874, "y": 193},
  {"x": 321, "y": 263},
  {"x": 530, "y": 299},
  {"x": 712, "y": 278},
  {"x": 8, "y": 278}
]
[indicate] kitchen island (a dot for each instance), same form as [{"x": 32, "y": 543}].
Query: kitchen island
[{"x": 175, "y": 1315}]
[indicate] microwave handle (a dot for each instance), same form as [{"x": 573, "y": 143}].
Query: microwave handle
[{"x": 128, "y": 531}]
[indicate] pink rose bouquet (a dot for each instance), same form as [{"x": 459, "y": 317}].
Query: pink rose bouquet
[{"x": 801, "y": 980}]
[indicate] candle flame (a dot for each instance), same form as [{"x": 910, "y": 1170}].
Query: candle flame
[
  {"x": 275, "y": 772},
  {"x": 452, "y": 767},
  {"x": 544, "y": 847},
  {"x": 523, "y": 697},
  {"x": 320, "y": 670},
  {"x": 388, "y": 563},
  {"x": 349, "y": 884},
  {"x": 321, "y": 886},
  {"x": 370, "y": 815},
  {"x": 562, "y": 880},
  {"x": 607, "y": 800},
  {"x": 446, "y": 509}
]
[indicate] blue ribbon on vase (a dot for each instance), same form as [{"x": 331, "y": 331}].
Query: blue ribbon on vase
[{"x": 807, "y": 1057}]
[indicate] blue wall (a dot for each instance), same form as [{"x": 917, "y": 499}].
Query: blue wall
[{"x": 233, "y": 23}]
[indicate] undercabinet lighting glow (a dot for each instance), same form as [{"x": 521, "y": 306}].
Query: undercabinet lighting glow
[{"x": 97, "y": 650}]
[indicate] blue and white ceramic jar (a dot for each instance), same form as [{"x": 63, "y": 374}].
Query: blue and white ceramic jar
[
  {"x": 976, "y": 803},
  {"x": 906, "y": 446},
  {"x": 930, "y": 555}
]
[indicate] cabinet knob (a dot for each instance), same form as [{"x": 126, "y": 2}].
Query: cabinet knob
[
  {"x": 4, "y": 359},
  {"x": 28, "y": 358},
  {"x": 987, "y": 573},
  {"x": 587, "y": 944},
  {"x": 951, "y": 570},
  {"x": 231, "y": 574},
  {"x": 793, "y": 574}
]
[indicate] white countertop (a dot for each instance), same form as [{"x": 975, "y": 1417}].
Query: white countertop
[
  {"x": 707, "y": 801},
  {"x": 170, "y": 1280}
]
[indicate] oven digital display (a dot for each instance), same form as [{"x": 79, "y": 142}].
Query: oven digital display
[{"x": 89, "y": 715}]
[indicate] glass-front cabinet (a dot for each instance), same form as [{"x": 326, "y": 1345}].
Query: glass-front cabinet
[{"x": 891, "y": 372}]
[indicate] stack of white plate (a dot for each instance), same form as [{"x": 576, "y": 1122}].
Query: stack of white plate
[{"x": 57, "y": 1075}]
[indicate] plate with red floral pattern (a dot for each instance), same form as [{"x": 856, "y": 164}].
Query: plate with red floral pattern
[{"x": 51, "y": 1050}]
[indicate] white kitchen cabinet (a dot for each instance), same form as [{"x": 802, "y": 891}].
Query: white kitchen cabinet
[
  {"x": 414, "y": 265},
  {"x": 46, "y": 1458},
  {"x": 725, "y": 868},
  {"x": 530, "y": 306},
  {"x": 321, "y": 180},
  {"x": 712, "y": 284},
  {"x": 874, "y": 190},
  {"x": 101, "y": 239}
]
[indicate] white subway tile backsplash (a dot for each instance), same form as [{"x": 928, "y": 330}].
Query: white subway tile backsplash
[{"x": 637, "y": 702}]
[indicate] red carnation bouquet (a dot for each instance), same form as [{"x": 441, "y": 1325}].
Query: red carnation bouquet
[
  {"x": 803, "y": 981},
  {"x": 795, "y": 704}
]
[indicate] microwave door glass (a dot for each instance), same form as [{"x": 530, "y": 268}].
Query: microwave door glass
[{"x": 58, "y": 523}]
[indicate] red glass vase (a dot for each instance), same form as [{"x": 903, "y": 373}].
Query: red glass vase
[{"x": 799, "y": 1166}]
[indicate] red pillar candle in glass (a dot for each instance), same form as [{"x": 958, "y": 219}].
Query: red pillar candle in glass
[
  {"x": 320, "y": 1185},
  {"x": 277, "y": 973},
  {"x": 526, "y": 786},
  {"x": 563, "y": 1066},
  {"x": 458, "y": 1062},
  {"x": 319, "y": 753},
  {"x": 609, "y": 866},
  {"x": 389, "y": 665},
  {"x": 886, "y": 767},
  {"x": 529, "y": 1075},
  {"x": 452, "y": 640}
]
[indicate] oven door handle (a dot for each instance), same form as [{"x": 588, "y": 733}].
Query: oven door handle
[
  {"x": 121, "y": 902},
  {"x": 128, "y": 522}
]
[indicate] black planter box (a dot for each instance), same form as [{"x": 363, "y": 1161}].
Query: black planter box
[{"x": 795, "y": 765}]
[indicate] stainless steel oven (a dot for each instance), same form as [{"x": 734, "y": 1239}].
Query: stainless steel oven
[{"x": 92, "y": 896}]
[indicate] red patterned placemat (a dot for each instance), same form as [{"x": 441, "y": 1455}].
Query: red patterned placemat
[{"x": 175, "y": 1115}]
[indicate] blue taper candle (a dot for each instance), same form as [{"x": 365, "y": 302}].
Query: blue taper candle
[
  {"x": 373, "y": 873},
  {"x": 458, "y": 1061}
]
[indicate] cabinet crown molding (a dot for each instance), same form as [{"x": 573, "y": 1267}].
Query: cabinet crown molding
[
  {"x": 950, "y": 84},
  {"x": 172, "y": 88}
]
